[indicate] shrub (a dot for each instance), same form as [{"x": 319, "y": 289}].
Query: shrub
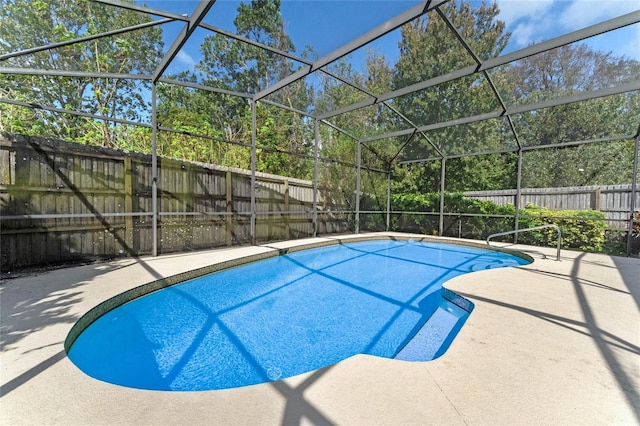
[
  {"x": 615, "y": 242},
  {"x": 581, "y": 229},
  {"x": 454, "y": 203}
]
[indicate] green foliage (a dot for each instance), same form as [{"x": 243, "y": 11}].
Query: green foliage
[
  {"x": 195, "y": 112},
  {"x": 25, "y": 24},
  {"x": 428, "y": 50},
  {"x": 243, "y": 67},
  {"x": 21, "y": 120},
  {"x": 481, "y": 173},
  {"x": 581, "y": 229},
  {"x": 454, "y": 203},
  {"x": 340, "y": 180},
  {"x": 283, "y": 138},
  {"x": 615, "y": 242},
  {"x": 635, "y": 230},
  {"x": 606, "y": 163},
  {"x": 566, "y": 71},
  {"x": 284, "y": 143}
]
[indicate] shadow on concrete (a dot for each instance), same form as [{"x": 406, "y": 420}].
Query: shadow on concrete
[
  {"x": 629, "y": 269},
  {"x": 13, "y": 384},
  {"x": 603, "y": 339},
  {"x": 32, "y": 303},
  {"x": 581, "y": 280},
  {"x": 567, "y": 323},
  {"x": 297, "y": 406},
  {"x": 624, "y": 378}
]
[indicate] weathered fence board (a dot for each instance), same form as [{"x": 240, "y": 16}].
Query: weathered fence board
[
  {"x": 98, "y": 204},
  {"x": 613, "y": 200}
]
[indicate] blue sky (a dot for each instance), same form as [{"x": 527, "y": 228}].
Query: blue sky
[
  {"x": 324, "y": 24},
  {"x": 534, "y": 21},
  {"x": 329, "y": 24}
]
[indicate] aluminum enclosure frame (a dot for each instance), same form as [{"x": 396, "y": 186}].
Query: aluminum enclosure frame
[{"x": 194, "y": 21}]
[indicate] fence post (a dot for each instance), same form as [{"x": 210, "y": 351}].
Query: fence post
[
  {"x": 388, "y": 222},
  {"x": 154, "y": 168},
  {"x": 286, "y": 209},
  {"x": 128, "y": 203},
  {"x": 518, "y": 197},
  {"x": 229, "y": 200},
  {"x": 634, "y": 184}
]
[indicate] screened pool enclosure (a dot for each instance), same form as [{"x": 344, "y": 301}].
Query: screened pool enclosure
[{"x": 145, "y": 128}]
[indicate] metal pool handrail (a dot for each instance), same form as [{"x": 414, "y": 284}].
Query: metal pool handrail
[{"x": 550, "y": 225}]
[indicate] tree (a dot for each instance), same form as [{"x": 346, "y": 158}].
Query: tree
[
  {"x": 196, "y": 112},
  {"x": 564, "y": 71},
  {"x": 245, "y": 68},
  {"x": 337, "y": 179},
  {"x": 26, "y": 24},
  {"x": 428, "y": 49},
  {"x": 241, "y": 66}
]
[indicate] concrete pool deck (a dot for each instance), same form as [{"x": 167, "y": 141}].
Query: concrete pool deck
[{"x": 553, "y": 343}]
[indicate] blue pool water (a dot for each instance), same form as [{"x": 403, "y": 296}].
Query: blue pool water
[{"x": 287, "y": 315}]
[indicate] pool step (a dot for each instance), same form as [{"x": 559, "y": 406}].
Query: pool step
[{"x": 435, "y": 336}]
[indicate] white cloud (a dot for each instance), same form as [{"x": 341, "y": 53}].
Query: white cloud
[
  {"x": 535, "y": 21},
  {"x": 524, "y": 34},
  {"x": 513, "y": 10},
  {"x": 528, "y": 21},
  {"x": 538, "y": 31},
  {"x": 186, "y": 59},
  {"x": 582, "y": 13}
]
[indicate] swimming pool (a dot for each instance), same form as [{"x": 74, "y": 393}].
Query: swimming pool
[{"x": 286, "y": 315}]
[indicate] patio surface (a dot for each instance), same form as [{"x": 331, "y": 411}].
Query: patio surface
[{"x": 551, "y": 343}]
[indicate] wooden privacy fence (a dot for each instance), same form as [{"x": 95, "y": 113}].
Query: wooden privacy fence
[
  {"x": 63, "y": 202},
  {"x": 613, "y": 200}
]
